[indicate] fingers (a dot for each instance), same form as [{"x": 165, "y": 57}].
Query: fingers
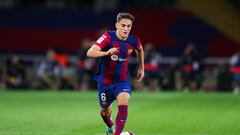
[
  {"x": 113, "y": 50},
  {"x": 139, "y": 76},
  {"x": 139, "y": 79}
]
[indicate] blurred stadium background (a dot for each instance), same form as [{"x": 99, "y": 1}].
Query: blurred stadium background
[
  {"x": 31, "y": 28},
  {"x": 188, "y": 46}
]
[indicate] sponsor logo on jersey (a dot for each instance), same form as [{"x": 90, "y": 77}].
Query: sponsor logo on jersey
[
  {"x": 104, "y": 36},
  {"x": 99, "y": 41},
  {"x": 121, "y": 59},
  {"x": 116, "y": 58}
]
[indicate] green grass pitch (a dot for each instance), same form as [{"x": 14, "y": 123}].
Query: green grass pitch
[{"x": 77, "y": 113}]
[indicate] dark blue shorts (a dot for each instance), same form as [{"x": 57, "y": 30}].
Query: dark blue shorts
[{"x": 107, "y": 93}]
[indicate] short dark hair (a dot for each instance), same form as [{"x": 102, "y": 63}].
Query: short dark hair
[{"x": 121, "y": 16}]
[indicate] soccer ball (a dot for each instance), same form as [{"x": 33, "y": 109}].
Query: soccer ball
[{"x": 126, "y": 133}]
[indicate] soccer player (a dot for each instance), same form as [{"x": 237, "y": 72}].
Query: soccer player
[{"x": 114, "y": 49}]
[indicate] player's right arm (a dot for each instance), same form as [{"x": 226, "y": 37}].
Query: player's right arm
[{"x": 95, "y": 51}]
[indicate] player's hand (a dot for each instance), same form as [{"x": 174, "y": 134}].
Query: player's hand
[
  {"x": 112, "y": 51},
  {"x": 140, "y": 74}
]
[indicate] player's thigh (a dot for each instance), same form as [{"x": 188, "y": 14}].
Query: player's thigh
[
  {"x": 123, "y": 98},
  {"x": 122, "y": 92}
]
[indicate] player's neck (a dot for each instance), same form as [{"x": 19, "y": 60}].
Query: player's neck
[{"x": 120, "y": 37}]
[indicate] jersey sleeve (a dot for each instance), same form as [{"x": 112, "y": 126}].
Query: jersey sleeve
[{"x": 104, "y": 40}]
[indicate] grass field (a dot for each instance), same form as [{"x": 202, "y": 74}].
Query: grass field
[{"x": 77, "y": 113}]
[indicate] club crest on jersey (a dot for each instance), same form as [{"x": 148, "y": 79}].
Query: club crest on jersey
[
  {"x": 130, "y": 51},
  {"x": 114, "y": 57},
  {"x": 104, "y": 103}
]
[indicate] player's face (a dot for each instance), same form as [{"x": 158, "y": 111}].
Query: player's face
[{"x": 124, "y": 27}]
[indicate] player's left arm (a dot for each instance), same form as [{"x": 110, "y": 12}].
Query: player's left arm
[{"x": 140, "y": 56}]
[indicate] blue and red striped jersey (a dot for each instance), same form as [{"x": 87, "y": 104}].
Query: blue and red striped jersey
[{"x": 115, "y": 68}]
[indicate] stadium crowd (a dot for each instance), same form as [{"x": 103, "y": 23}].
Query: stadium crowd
[{"x": 58, "y": 70}]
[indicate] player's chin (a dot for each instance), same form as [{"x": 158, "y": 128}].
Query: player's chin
[{"x": 125, "y": 35}]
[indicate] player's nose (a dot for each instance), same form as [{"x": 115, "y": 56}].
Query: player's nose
[{"x": 126, "y": 28}]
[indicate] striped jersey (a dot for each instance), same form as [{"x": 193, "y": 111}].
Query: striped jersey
[{"x": 114, "y": 68}]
